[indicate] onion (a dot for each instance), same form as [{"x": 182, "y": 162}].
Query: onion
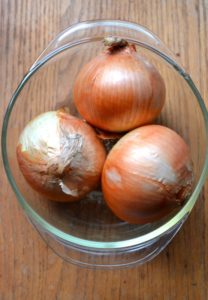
[
  {"x": 147, "y": 174},
  {"x": 60, "y": 156},
  {"x": 119, "y": 89}
]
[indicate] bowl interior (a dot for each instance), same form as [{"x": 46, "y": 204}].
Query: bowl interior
[{"x": 50, "y": 87}]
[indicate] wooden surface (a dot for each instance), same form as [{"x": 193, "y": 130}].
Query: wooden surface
[{"x": 28, "y": 268}]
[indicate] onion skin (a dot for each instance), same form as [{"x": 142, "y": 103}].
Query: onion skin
[
  {"x": 147, "y": 174},
  {"x": 60, "y": 156},
  {"x": 119, "y": 90},
  {"x": 109, "y": 139}
]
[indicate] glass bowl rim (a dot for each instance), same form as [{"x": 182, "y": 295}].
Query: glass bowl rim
[{"x": 92, "y": 244}]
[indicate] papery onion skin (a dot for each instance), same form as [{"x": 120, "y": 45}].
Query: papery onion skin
[
  {"x": 147, "y": 174},
  {"x": 119, "y": 90},
  {"x": 60, "y": 156},
  {"x": 109, "y": 139}
]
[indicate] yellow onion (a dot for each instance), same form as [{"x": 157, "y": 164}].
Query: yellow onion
[
  {"x": 119, "y": 89},
  {"x": 147, "y": 174},
  {"x": 60, "y": 156}
]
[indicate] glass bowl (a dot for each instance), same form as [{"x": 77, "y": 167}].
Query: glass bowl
[{"x": 87, "y": 233}]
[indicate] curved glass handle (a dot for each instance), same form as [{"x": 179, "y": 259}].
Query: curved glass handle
[{"x": 96, "y": 30}]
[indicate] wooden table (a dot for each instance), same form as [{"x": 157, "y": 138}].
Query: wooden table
[{"x": 28, "y": 268}]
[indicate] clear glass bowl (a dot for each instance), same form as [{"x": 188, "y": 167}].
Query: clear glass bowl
[{"x": 87, "y": 233}]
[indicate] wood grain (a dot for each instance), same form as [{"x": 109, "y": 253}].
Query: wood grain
[{"x": 28, "y": 268}]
